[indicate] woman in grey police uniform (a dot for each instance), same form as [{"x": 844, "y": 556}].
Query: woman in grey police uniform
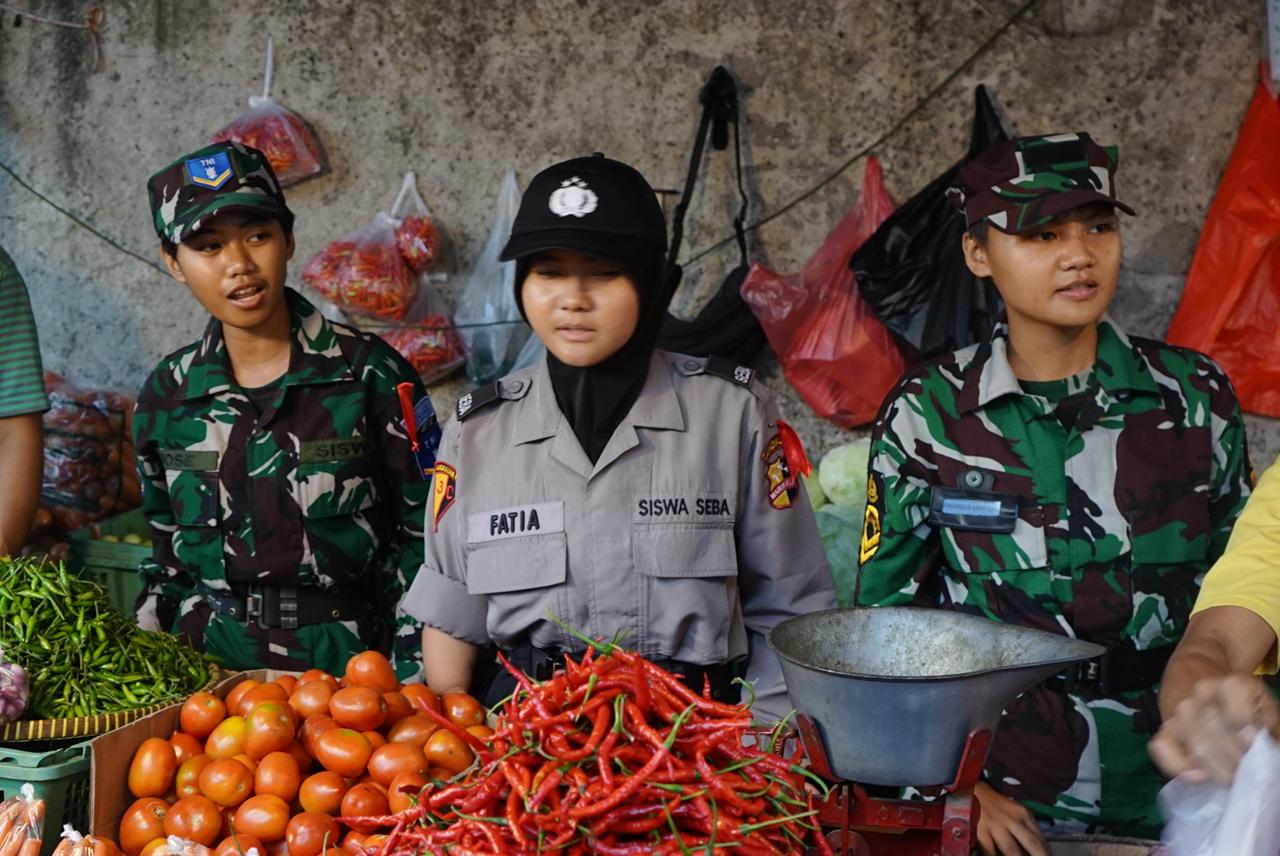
[{"x": 613, "y": 486}]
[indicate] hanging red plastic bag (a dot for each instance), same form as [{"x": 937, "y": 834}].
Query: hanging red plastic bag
[
  {"x": 1230, "y": 305},
  {"x": 835, "y": 353},
  {"x": 277, "y": 132}
]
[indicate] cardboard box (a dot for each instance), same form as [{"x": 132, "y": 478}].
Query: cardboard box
[{"x": 112, "y": 752}]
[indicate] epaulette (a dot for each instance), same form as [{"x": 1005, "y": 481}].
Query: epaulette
[
  {"x": 729, "y": 370},
  {"x": 481, "y": 397},
  {"x": 718, "y": 366}
]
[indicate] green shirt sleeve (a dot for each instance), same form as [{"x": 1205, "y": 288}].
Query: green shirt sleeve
[
  {"x": 1231, "y": 475},
  {"x": 21, "y": 374}
]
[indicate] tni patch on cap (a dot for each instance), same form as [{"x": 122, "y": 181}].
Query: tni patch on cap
[{"x": 211, "y": 172}]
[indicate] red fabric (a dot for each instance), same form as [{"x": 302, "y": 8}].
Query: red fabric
[
  {"x": 833, "y": 350},
  {"x": 1230, "y": 306}
]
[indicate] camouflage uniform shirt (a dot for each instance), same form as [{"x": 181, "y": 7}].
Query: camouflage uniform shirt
[
  {"x": 319, "y": 489},
  {"x": 1128, "y": 479}
]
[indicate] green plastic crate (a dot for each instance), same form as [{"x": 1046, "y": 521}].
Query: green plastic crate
[
  {"x": 60, "y": 777},
  {"x": 114, "y": 566}
]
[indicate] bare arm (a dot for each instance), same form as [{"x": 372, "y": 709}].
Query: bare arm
[
  {"x": 1212, "y": 704},
  {"x": 21, "y": 469},
  {"x": 447, "y": 663}
]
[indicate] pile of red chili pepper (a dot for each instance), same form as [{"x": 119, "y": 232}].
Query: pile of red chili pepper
[
  {"x": 611, "y": 755},
  {"x": 432, "y": 346}
]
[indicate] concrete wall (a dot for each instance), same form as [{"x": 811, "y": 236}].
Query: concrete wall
[{"x": 459, "y": 89}]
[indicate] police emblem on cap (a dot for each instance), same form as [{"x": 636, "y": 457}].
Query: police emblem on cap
[
  {"x": 573, "y": 199},
  {"x": 211, "y": 172}
]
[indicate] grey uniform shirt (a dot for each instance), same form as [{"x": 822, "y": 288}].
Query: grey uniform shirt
[{"x": 671, "y": 535}]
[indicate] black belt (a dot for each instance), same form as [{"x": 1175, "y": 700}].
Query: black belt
[
  {"x": 287, "y": 607},
  {"x": 1121, "y": 669},
  {"x": 540, "y": 663}
]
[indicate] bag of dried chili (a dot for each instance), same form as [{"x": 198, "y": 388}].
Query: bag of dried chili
[{"x": 277, "y": 132}]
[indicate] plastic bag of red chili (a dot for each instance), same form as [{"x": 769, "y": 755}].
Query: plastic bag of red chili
[
  {"x": 429, "y": 341},
  {"x": 375, "y": 270},
  {"x": 277, "y": 132}
]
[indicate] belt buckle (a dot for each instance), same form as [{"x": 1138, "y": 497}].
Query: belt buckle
[{"x": 253, "y": 607}]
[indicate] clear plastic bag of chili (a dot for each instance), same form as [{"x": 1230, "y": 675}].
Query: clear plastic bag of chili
[
  {"x": 375, "y": 271},
  {"x": 279, "y": 133},
  {"x": 428, "y": 340}
]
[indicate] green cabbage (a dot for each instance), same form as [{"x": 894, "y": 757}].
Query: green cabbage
[{"x": 843, "y": 474}]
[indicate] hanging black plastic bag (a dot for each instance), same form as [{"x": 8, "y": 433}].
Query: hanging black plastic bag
[
  {"x": 725, "y": 326},
  {"x": 911, "y": 272}
]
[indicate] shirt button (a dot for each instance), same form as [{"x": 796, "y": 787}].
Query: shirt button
[
  {"x": 691, "y": 365},
  {"x": 973, "y": 479},
  {"x": 516, "y": 386}
]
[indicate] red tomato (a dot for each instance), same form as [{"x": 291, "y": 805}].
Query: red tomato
[
  {"x": 398, "y": 707},
  {"x": 371, "y": 669},
  {"x": 257, "y": 695},
  {"x": 311, "y": 833},
  {"x": 227, "y": 740},
  {"x": 462, "y": 709},
  {"x": 313, "y": 728},
  {"x": 153, "y": 767},
  {"x": 446, "y": 749},
  {"x": 195, "y": 818},
  {"x": 142, "y": 823},
  {"x": 420, "y": 696},
  {"x": 278, "y": 775},
  {"x": 365, "y": 800},
  {"x": 311, "y": 675},
  {"x": 289, "y": 682},
  {"x": 187, "y": 782},
  {"x": 353, "y": 844},
  {"x": 201, "y": 713},
  {"x": 404, "y": 791},
  {"x": 414, "y": 729},
  {"x": 391, "y": 760},
  {"x": 323, "y": 792},
  {"x": 344, "y": 751},
  {"x": 375, "y": 738},
  {"x": 268, "y": 728},
  {"x": 227, "y": 782},
  {"x": 311, "y": 699},
  {"x": 361, "y": 708},
  {"x": 265, "y": 816},
  {"x": 237, "y": 692},
  {"x": 185, "y": 746},
  {"x": 239, "y": 844}
]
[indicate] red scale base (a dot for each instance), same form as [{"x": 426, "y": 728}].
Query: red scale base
[{"x": 858, "y": 824}]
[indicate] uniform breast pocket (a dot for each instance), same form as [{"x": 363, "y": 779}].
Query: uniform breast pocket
[
  {"x": 334, "y": 488},
  {"x": 1170, "y": 533},
  {"x": 197, "y": 539},
  {"x": 689, "y": 587},
  {"x": 976, "y": 552}
]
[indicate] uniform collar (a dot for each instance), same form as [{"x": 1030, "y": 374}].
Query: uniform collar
[
  {"x": 657, "y": 407},
  {"x": 316, "y": 357},
  {"x": 1119, "y": 368}
]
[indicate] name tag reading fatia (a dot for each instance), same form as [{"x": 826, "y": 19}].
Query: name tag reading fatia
[{"x": 515, "y": 522}]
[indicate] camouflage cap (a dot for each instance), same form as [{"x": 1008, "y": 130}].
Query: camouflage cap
[
  {"x": 197, "y": 185},
  {"x": 1023, "y": 183}
]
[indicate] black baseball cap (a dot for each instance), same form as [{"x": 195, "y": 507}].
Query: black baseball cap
[{"x": 592, "y": 205}]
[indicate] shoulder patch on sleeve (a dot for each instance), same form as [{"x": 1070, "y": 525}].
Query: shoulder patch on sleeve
[
  {"x": 729, "y": 370},
  {"x": 870, "y": 542}
]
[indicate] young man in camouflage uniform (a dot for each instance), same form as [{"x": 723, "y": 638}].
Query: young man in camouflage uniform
[
  {"x": 1061, "y": 476},
  {"x": 283, "y": 494}
]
